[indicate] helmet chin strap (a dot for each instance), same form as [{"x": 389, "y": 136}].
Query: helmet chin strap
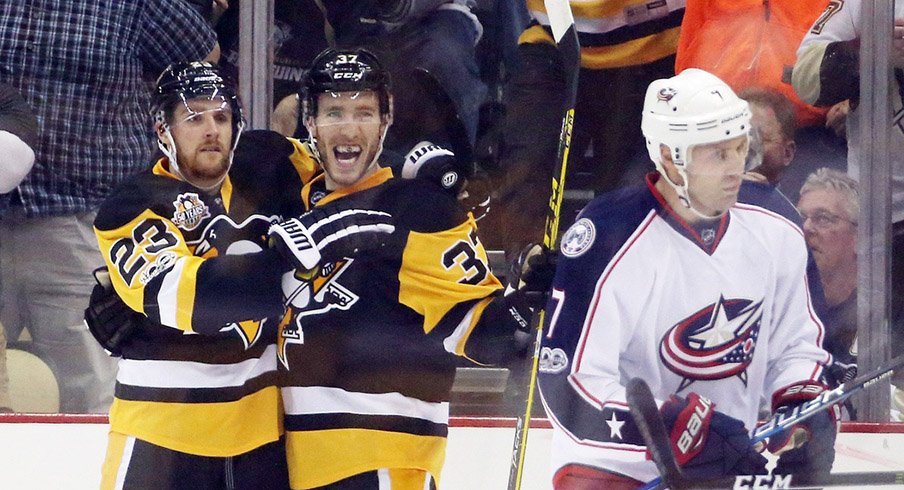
[{"x": 380, "y": 146}]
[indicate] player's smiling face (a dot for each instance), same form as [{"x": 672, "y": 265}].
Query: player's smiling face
[
  {"x": 349, "y": 130},
  {"x": 714, "y": 175},
  {"x": 202, "y": 131}
]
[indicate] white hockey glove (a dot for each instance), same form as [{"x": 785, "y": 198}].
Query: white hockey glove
[
  {"x": 325, "y": 235},
  {"x": 436, "y": 164}
]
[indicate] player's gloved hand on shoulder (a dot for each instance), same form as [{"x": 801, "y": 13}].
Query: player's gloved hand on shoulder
[
  {"x": 708, "y": 443},
  {"x": 329, "y": 233},
  {"x": 806, "y": 449},
  {"x": 532, "y": 273},
  {"x": 108, "y": 318},
  {"x": 436, "y": 164}
]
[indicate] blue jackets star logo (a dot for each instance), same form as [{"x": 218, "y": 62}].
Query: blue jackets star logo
[{"x": 716, "y": 342}]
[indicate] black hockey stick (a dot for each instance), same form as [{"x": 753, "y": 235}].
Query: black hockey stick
[
  {"x": 649, "y": 422},
  {"x": 561, "y": 21}
]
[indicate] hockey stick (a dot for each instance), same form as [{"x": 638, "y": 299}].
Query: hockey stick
[
  {"x": 826, "y": 399},
  {"x": 649, "y": 423},
  {"x": 646, "y": 415},
  {"x": 561, "y": 21}
]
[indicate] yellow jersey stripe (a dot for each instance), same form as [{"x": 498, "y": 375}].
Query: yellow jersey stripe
[
  {"x": 229, "y": 428},
  {"x": 317, "y": 458}
]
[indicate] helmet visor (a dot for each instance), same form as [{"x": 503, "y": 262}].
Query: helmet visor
[
  {"x": 198, "y": 109},
  {"x": 340, "y": 108}
]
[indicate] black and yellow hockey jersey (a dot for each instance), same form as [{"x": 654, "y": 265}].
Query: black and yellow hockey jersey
[
  {"x": 197, "y": 263},
  {"x": 618, "y": 33},
  {"x": 368, "y": 352}
]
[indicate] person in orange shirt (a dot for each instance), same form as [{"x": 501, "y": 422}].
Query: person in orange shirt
[{"x": 752, "y": 43}]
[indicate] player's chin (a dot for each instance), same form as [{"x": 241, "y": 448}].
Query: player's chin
[
  {"x": 723, "y": 206},
  {"x": 213, "y": 167}
]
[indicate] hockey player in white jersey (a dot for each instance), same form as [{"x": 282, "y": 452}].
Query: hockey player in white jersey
[{"x": 703, "y": 297}]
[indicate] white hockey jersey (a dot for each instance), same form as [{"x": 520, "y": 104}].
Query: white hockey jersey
[
  {"x": 722, "y": 311},
  {"x": 824, "y": 75}
]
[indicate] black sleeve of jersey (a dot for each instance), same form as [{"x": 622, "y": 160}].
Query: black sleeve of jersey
[
  {"x": 420, "y": 206},
  {"x": 225, "y": 299},
  {"x": 503, "y": 330},
  {"x": 839, "y": 73},
  {"x": 16, "y": 116},
  {"x": 263, "y": 174}
]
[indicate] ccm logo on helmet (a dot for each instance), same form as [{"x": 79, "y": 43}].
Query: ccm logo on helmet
[
  {"x": 690, "y": 435},
  {"x": 353, "y": 76}
]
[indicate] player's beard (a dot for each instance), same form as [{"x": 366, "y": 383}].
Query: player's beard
[{"x": 203, "y": 170}]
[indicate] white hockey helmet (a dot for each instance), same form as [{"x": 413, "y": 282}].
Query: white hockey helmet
[{"x": 692, "y": 108}]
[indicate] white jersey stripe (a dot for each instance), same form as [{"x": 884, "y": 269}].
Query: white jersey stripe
[
  {"x": 168, "y": 295},
  {"x": 451, "y": 343},
  {"x": 603, "y": 25},
  {"x": 310, "y": 400},
  {"x": 188, "y": 374},
  {"x": 124, "y": 462}
]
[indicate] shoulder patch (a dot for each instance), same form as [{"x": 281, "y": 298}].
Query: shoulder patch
[
  {"x": 190, "y": 211},
  {"x": 578, "y": 238}
]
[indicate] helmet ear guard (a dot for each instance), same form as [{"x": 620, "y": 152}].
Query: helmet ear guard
[{"x": 691, "y": 108}]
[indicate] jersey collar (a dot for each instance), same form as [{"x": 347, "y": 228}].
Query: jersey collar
[
  {"x": 161, "y": 168},
  {"x": 377, "y": 178},
  {"x": 707, "y": 235}
]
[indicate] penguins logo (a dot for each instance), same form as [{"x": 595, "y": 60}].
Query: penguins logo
[
  {"x": 716, "y": 342},
  {"x": 312, "y": 295},
  {"x": 222, "y": 236},
  {"x": 190, "y": 211}
]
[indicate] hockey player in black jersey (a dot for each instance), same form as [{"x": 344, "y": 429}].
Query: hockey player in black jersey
[
  {"x": 368, "y": 352},
  {"x": 196, "y": 403}
]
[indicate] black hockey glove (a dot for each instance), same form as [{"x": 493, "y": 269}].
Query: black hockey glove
[
  {"x": 707, "y": 443},
  {"x": 807, "y": 449},
  {"x": 435, "y": 164},
  {"x": 503, "y": 332},
  {"x": 532, "y": 272},
  {"x": 108, "y": 318},
  {"x": 328, "y": 234}
]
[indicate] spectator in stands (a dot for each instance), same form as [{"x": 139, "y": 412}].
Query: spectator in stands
[
  {"x": 298, "y": 37},
  {"x": 18, "y": 132},
  {"x": 827, "y": 72},
  {"x": 79, "y": 64},
  {"x": 625, "y": 46},
  {"x": 211, "y": 10},
  {"x": 772, "y": 116},
  {"x": 830, "y": 207},
  {"x": 751, "y": 43}
]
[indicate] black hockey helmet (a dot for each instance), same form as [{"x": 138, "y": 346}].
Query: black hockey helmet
[{"x": 344, "y": 70}]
